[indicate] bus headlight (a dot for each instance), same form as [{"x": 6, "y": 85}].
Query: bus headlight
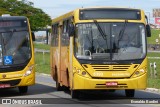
[
  {"x": 84, "y": 73},
  {"x": 29, "y": 71},
  {"x": 81, "y": 72},
  {"x": 139, "y": 72}
]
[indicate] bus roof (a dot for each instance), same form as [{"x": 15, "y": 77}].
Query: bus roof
[
  {"x": 71, "y": 13},
  {"x": 108, "y": 8},
  {"x": 13, "y": 17}
]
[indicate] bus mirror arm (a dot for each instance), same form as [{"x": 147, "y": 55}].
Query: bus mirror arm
[
  {"x": 33, "y": 36},
  {"x": 71, "y": 29},
  {"x": 148, "y": 29}
]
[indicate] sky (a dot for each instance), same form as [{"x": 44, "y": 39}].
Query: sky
[{"x": 55, "y": 8}]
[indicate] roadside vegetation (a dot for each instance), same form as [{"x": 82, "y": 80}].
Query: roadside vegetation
[
  {"x": 38, "y": 18},
  {"x": 155, "y": 35},
  {"x": 41, "y": 46},
  {"x": 42, "y": 60},
  {"x": 152, "y": 81}
]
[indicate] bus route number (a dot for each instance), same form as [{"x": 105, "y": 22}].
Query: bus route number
[{"x": 99, "y": 74}]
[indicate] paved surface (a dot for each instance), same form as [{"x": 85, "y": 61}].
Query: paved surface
[{"x": 44, "y": 90}]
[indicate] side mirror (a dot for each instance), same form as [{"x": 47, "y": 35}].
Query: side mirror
[
  {"x": 71, "y": 29},
  {"x": 33, "y": 36},
  {"x": 148, "y": 30}
]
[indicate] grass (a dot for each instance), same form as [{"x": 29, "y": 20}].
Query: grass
[
  {"x": 42, "y": 62},
  {"x": 41, "y": 46},
  {"x": 154, "y": 82},
  {"x": 155, "y": 35}
]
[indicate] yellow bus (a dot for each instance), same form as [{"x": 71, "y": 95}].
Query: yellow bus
[
  {"x": 100, "y": 49},
  {"x": 16, "y": 53}
]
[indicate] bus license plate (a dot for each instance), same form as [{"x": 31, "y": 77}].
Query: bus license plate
[
  {"x": 111, "y": 83},
  {"x": 5, "y": 85}
]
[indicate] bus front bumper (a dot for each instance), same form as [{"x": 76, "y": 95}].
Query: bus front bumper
[
  {"x": 82, "y": 83},
  {"x": 18, "y": 81}
]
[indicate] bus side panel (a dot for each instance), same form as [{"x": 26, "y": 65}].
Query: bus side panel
[
  {"x": 64, "y": 65},
  {"x": 70, "y": 66},
  {"x": 51, "y": 63},
  {"x": 54, "y": 61}
]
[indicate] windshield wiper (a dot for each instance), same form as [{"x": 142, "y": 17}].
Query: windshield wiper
[
  {"x": 121, "y": 33},
  {"x": 100, "y": 30}
]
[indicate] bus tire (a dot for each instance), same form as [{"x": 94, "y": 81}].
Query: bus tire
[
  {"x": 23, "y": 89},
  {"x": 58, "y": 86},
  {"x": 129, "y": 92},
  {"x": 74, "y": 94}
]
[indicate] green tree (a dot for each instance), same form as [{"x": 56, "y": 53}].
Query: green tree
[{"x": 38, "y": 18}]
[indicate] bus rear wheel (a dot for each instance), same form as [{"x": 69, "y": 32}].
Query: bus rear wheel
[
  {"x": 58, "y": 86},
  {"x": 129, "y": 92},
  {"x": 23, "y": 89}
]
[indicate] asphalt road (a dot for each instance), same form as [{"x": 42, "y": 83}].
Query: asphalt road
[{"x": 45, "y": 92}]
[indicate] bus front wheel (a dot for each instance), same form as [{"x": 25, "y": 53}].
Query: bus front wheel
[
  {"x": 129, "y": 92},
  {"x": 74, "y": 94},
  {"x": 23, "y": 89}
]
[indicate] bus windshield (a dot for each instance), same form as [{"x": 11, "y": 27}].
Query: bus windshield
[
  {"x": 14, "y": 46},
  {"x": 115, "y": 45}
]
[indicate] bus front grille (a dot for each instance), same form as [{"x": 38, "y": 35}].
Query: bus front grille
[
  {"x": 110, "y": 67},
  {"x": 11, "y": 82}
]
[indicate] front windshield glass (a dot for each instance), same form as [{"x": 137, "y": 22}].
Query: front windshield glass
[
  {"x": 113, "y": 45},
  {"x": 14, "y": 47}
]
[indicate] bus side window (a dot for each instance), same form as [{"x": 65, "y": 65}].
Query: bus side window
[
  {"x": 52, "y": 36},
  {"x": 65, "y": 37},
  {"x": 55, "y": 35}
]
